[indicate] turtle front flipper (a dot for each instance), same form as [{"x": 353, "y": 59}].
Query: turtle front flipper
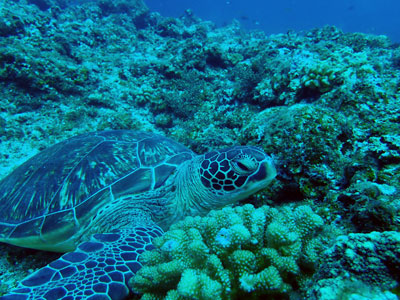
[{"x": 98, "y": 269}]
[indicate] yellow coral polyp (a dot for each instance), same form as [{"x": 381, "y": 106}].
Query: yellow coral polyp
[
  {"x": 306, "y": 220},
  {"x": 197, "y": 285},
  {"x": 240, "y": 234},
  {"x": 198, "y": 249},
  {"x": 286, "y": 264},
  {"x": 277, "y": 234},
  {"x": 268, "y": 279},
  {"x": 242, "y": 261}
]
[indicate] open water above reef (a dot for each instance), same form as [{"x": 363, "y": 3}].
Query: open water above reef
[{"x": 367, "y": 16}]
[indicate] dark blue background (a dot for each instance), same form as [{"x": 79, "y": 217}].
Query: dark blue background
[{"x": 368, "y": 16}]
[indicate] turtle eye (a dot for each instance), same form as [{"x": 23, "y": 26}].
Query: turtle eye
[{"x": 244, "y": 165}]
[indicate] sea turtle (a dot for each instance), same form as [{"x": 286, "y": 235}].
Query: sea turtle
[{"x": 102, "y": 197}]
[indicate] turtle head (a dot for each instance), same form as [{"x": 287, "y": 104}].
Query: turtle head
[
  {"x": 219, "y": 178},
  {"x": 233, "y": 174}
]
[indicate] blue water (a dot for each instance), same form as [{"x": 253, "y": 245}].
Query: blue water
[{"x": 368, "y": 16}]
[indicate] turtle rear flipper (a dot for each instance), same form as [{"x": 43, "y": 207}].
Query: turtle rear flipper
[{"x": 97, "y": 269}]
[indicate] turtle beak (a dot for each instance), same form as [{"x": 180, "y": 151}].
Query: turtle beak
[
  {"x": 265, "y": 173},
  {"x": 262, "y": 177}
]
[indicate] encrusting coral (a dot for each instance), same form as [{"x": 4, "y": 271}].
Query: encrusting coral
[
  {"x": 359, "y": 264},
  {"x": 232, "y": 253}
]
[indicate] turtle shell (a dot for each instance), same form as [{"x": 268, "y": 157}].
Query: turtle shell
[{"x": 50, "y": 193}]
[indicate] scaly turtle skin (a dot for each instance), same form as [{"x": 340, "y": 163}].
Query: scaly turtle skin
[{"x": 102, "y": 197}]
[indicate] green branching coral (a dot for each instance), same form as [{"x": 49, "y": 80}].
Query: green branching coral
[{"x": 232, "y": 253}]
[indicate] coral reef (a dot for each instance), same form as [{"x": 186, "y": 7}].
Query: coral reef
[
  {"x": 324, "y": 102},
  {"x": 363, "y": 264},
  {"x": 314, "y": 164},
  {"x": 234, "y": 253}
]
